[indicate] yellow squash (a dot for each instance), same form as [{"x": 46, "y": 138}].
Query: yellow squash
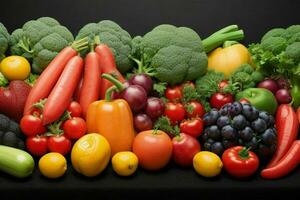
[
  {"x": 90, "y": 154},
  {"x": 228, "y": 59}
]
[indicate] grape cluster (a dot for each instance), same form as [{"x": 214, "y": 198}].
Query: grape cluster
[{"x": 239, "y": 124}]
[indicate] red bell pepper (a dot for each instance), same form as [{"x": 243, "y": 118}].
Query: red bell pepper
[
  {"x": 287, "y": 125},
  {"x": 287, "y": 164}
]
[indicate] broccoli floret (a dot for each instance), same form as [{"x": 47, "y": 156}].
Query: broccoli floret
[
  {"x": 275, "y": 32},
  {"x": 115, "y": 37},
  {"x": 293, "y": 52},
  {"x": 135, "y": 43},
  {"x": 4, "y": 40},
  {"x": 3, "y": 80},
  {"x": 274, "y": 44},
  {"x": 292, "y": 30},
  {"x": 294, "y": 38},
  {"x": 176, "y": 53},
  {"x": 40, "y": 41}
]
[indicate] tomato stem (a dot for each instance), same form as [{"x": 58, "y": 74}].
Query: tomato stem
[{"x": 244, "y": 153}]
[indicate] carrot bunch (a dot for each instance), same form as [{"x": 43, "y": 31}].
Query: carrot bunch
[{"x": 70, "y": 76}]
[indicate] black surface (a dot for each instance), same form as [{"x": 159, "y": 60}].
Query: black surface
[{"x": 138, "y": 17}]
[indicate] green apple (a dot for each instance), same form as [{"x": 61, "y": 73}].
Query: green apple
[{"x": 260, "y": 98}]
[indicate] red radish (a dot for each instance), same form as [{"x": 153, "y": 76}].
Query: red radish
[
  {"x": 13, "y": 98},
  {"x": 48, "y": 78},
  {"x": 142, "y": 80},
  {"x": 269, "y": 84},
  {"x": 61, "y": 95},
  {"x": 155, "y": 107},
  {"x": 107, "y": 65},
  {"x": 142, "y": 122},
  {"x": 184, "y": 149},
  {"x": 90, "y": 90},
  {"x": 283, "y": 96}
]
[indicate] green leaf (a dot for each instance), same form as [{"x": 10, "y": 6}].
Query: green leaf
[{"x": 160, "y": 88}]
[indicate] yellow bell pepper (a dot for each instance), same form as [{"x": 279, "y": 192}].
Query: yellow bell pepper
[
  {"x": 229, "y": 58},
  {"x": 90, "y": 154},
  {"x": 113, "y": 120}
]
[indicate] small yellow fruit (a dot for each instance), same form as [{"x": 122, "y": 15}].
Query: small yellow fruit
[
  {"x": 53, "y": 165},
  {"x": 125, "y": 163},
  {"x": 90, "y": 154},
  {"x": 15, "y": 68},
  {"x": 207, "y": 164}
]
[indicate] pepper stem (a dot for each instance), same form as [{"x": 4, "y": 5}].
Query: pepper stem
[
  {"x": 114, "y": 81},
  {"x": 109, "y": 92},
  {"x": 229, "y": 43},
  {"x": 244, "y": 153}
]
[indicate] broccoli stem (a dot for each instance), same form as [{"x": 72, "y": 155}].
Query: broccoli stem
[
  {"x": 216, "y": 40},
  {"x": 24, "y": 44}
]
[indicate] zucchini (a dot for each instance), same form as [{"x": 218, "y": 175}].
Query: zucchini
[{"x": 15, "y": 162}]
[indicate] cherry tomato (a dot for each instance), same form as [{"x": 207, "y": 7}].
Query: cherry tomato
[
  {"x": 175, "y": 112},
  {"x": 32, "y": 125},
  {"x": 192, "y": 127},
  {"x": 194, "y": 109},
  {"x": 75, "y": 109},
  {"x": 218, "y": 100},
  {"x": 153, "y": 149},
  {"x": 174, "y": 94},
  {"x": 74, "y": 128},
  {"x": 188, "y": 83},
  {"x": 239, "y": 162},
  {"x": 185, "y": 148},
  {"x": 59, "y": 144},
  {"x": 222, "y": 85},
  {"x": 37, "y": 145}
]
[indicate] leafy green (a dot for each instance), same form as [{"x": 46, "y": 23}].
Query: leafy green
[
  {"x": 4, "y": 40},
  {"x": 3, "y": 80},
  {"x": 31, "y": 79},
  {"x": 160, "y": 88},
  {"x": 40, "y": 41},
  {"x": 163, "y": 123},
  {"x": 111, "y": 34}
]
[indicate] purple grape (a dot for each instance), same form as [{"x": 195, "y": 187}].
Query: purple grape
[
  {"x": 142, "y": 80},
  {"x": 135, "y": 96},
  {"x": 142, "y": 122},
  {"x": 154, "y": 107}
]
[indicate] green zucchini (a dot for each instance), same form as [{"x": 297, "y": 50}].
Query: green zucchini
[{"x": 15, "y": 162}]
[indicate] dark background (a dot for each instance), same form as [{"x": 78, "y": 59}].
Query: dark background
[{"x": 140, "y": 16}]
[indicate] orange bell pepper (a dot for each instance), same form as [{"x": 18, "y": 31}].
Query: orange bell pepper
[{"x": 113, "y": 120}]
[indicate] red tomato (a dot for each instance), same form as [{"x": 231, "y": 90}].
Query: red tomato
[
  {"x": 153, "y": 149},
  {"x": 192, "y": 127},
  {"x": 59, "y": 144},
  {"x": 175, "y": 112},
  {"x": 222, "y": 85},
  {"x": 32, "y": 125},
  {"x": 218, "y": 100},
  {"x": 184, "y": 149},
  {"x": 75, "y": 128},
  {"x": 174, "y": 94},
  {"x": 37, "y": 145},
  {"x": 75, "y": 109},
  {"x": 239, "y": 162},
  {"x": 196, "y": 108}
]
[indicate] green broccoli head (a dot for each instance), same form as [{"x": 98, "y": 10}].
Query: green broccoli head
[
  {"x": 293, "y": 52},
  {"x": 40, "y": 41},
  {"x": 292, "y": 30},
  {"x": 115, "y": 37},
  {"x": 4, "y": 40},
  {"x": 176, "y": 53},
  {"x": 274, "y": 44},
  {"x": 135, "y": 43},
  {"x": 275, "y": 32}
]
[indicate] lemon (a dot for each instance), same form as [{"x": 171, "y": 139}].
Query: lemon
[
  {"x": 15, "y": 68},
  {"x": 124, "y": 163},
  {"x": 53, "y": 165},
  {"x": 207, "y": 164}
]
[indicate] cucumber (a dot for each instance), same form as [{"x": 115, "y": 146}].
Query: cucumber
[{"x": 15, "y": 162}]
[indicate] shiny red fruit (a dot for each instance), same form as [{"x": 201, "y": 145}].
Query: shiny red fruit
[{"x": 218, "y": 100}]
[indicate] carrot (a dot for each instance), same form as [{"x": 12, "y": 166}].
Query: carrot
[
  {"x": 108, "y": 66},
  {"x": 51, "y": 74},
  {"x": 61, "y": 95},
  {"x": 78, "y": 89},
  {"x": 90, "y": 90}
]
